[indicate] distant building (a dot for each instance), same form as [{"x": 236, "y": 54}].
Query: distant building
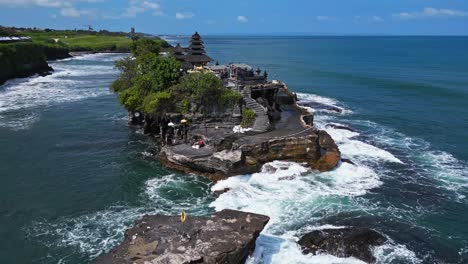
[{"x": 132, "y": 32}]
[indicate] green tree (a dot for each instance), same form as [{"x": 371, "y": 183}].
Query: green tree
[
  {"x": 128, "y": 72},
  {"x": 140, "y": 47},
  {"x": 159, "y": 103}
]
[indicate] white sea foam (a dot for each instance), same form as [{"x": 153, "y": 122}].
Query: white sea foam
[
  {"x": 21, "y": 98},
  {"x": 100, "y": 57},
  {"x": 280, "y": 250},
  {"x": 91, "y": 234},
  {"x": 349, "y": 147},
  {"x": 292, "y": 195},
  {"x": 98, "y": 232},
  {"x": 317, "y": 98},
  {"x": 304, "y": 98},
  {"x": 174, "y": 193},
  {"x": 289, "y": 191},
  {"x": 395, "y": 253}
]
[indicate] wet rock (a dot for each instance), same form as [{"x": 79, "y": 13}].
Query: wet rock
[
  {"x": 219, "y": 192},
  {"x": 226, "y": 237},
  {"x": 340, "y": 127},
  {"x": 330, "y": 154},
  {"x": 344, "y": 242},
  {"x": 308, "y": 119},
  {"x": 316, "y": 105},
  {"x": 348, "y": 161}
]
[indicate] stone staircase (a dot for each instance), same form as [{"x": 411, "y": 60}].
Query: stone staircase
[{"x": 262, "y": 122}]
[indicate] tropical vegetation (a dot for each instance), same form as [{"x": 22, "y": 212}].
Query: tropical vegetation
[{"x": 153, "y": 84}]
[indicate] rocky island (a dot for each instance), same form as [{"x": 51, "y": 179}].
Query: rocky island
[{"x": 216, "y": 121}]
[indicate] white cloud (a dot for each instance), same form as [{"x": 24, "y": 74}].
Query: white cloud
[
  {"x": 432, "y": 12},
  {"x": 376, "y": 18},
  {"x": 324, "y": 18},
  {"x": 136, "y": 7},
  {"x": 44, "y": 3},
  {"x": 70, "y": 12},
  {"x": 180, "y": 15},
  {"x": 242, "y": 19}
]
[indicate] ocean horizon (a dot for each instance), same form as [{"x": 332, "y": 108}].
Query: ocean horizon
[{"x": 75, "y": 176}]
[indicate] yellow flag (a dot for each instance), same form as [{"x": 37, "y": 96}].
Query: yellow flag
[{"x": 183, "y": 216}]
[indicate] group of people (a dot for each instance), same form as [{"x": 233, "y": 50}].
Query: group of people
[{"x": 171, "y": 132}]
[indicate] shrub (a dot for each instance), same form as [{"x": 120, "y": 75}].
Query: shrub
[{"x": 248, "y": 118}]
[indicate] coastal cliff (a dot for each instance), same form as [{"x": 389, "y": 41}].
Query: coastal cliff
[
  {"x": 247, "y": 155},
  {"x": 22, "y": 60}
]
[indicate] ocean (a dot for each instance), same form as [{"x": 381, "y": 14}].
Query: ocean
[{"x": 75, "y": 176}]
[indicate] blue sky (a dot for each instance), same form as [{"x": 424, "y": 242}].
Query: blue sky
[{"x": 369, "y": 17}]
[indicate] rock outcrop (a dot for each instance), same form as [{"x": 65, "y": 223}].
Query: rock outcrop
[
  {"x": 317, "y": 149},
  {"x": 330, "y": 154},
  {"x": 344, "y": 242},
  {"x": 226, "y": 237}
]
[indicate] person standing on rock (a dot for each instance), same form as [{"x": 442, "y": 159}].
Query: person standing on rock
[{"x": 184, "y": 129}]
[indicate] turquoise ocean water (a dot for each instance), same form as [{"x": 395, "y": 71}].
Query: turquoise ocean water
[{"x": 74, "y": 176}]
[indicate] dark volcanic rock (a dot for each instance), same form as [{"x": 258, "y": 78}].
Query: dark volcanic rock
[
  {"x": 348, "y": 161},
  {"x": 340, "y": 127},
  {"x": 308, "y": 119},
  {"x": 345, "y": 242},
  {"x": 226, "y": 237},
  {"x": 316, "y": 105}
]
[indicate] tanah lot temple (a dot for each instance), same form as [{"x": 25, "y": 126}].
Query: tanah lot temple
[{"x": 259, "y": 94}]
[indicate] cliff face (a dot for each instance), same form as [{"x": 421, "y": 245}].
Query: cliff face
[
  {"x": 317, "y": 149},
  {"x": 22, "y": 60},
  {"x": 226, "y": 237}
]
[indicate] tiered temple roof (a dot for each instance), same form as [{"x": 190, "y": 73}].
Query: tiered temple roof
[
  {"x": 196, "y": 51},
  {"x": 194, "y": 55}
]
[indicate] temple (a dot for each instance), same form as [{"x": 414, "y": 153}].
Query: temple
[
  {"x": 193, "y": 57},
  {"x": 262, "y": 96}
]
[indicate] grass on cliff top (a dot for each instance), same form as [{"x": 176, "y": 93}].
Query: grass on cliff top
[
  {"x": 97, "y": 43},
  {"x": 75, "y": 41}
]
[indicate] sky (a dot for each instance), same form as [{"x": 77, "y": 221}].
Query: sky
[{"x": 239, "y": 17}]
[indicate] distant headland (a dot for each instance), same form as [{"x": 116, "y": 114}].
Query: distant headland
[{"x": 25, "y": 51}]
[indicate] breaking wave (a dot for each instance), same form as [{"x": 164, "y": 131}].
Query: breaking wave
[{"x": 21, "y": 100}]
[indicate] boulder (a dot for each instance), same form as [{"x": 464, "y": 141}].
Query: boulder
[
  {"x": 344, "y": 242},
  {"x": 330, "y": 154},
  {"x": 226, "y": 237}
]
